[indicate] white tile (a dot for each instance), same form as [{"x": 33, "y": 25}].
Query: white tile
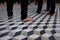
[
  {"x": 48, "y": 30},
  {"x": 57, "y": 36},
  {"x": 22, "y": 26},
  {"x": 13, "y": 32},
  {"x": 34, "y": 37},
  {"x": 6, "y": 38},
  {"x": 57, "y": 30},
  {"x": 26, "y": 32},
  {"x": 45, "y": 36},
  {"x": 20, "y": 37},
  {"x": 37, "y": 31}
]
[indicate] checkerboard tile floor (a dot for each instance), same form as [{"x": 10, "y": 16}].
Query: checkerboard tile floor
[{"x": 42, "y": 27}]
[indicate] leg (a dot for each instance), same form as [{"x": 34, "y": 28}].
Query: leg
[
  {"x": 48, "y": 5},
  {"x": 24, "y": 5},
  {"x": 24, "y": 8},
  {"x": 40, "y": 4},
  {"x": 36, "y": 2},
  {"x": 52, "y": 11},
  {"x": 18, "y": 1},
  {"x": 0, "y": 1},
  {"x": 53, "y": 6},
  {"x": 9, "y": 8}
]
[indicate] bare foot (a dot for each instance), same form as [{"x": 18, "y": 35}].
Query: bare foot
[
  {"x": 51, "y": 14},
  {"x": 27, "y": 19},
  {"x": 10, "y": 17}
]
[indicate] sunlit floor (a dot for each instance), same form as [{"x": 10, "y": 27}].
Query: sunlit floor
[{"x": 42, "y": 27}]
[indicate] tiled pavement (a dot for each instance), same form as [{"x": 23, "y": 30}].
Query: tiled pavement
[{"x": 42, "y": 27}]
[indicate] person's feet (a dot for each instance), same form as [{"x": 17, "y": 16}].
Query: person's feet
[
  {"x": 51, "y": 14},
  {"x": 35, "y": 3},
  {"x": 27, "y": 19},
  {"x": 46, "y": 10},
  {"x": 38, "y": 12},
  {"x": 10, "y": 17}
]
